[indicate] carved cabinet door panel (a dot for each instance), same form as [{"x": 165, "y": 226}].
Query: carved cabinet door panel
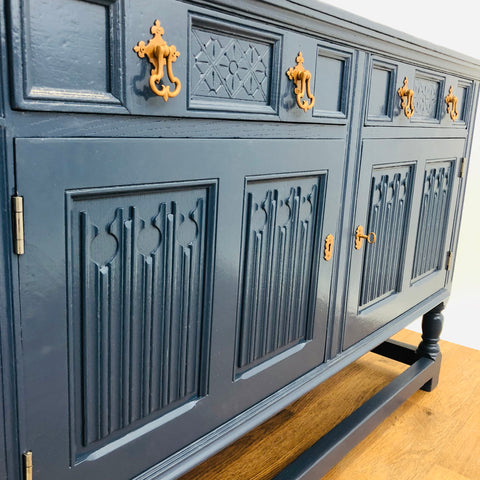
[
  {"x": 407, "y": 191},
  {"x": 160, "y": 278}
]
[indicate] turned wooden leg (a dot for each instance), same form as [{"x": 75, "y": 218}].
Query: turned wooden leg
[{"x": 432, "y": 324}]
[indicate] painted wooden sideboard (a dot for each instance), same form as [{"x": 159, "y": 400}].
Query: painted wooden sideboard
[{"x": 208, "y": 208}]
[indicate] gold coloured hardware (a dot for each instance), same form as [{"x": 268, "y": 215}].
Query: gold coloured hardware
[
  {"x": 301, "y": 78},
  {"x": 451, "y": 101},
  {"x": 360, "y": 236},
  {"x": 28, "y": 465},
  {"x": 18, "y": 230},
  {"x": 461, "y": 171},
  {"x": 449, "y": 261},
  {"x": 406, "y": 94},
  {"x": 160, "y": 55},
  {"x": 328, "y": 251}
]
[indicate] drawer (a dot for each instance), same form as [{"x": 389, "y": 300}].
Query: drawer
[
  {"x": 95, "y": 56},
  {"x": 330, "y": 68},
  {"x": 226, "y": 67},
  {"x": 424, "y": 96},
  {"x": 237, "y": 68}
]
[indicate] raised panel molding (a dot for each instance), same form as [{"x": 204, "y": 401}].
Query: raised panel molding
[
  {"x": 71, "y": 64},
  {"x": 232, "y": 67},
  {"x": 388, "y": 218},
  {"x": 432, "y": 223},
  {"x": 282, "y": 218},
  {"x": 463, "y": 93},
  {"x": 428, "y": 92},
  {"x": 332, "y": 82},
  {"x": 141, "y": 264},
  {"x": 381, "y": 91}
]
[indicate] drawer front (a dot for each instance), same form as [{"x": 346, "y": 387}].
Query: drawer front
[
  {"x": 226, "y": 66},
  {"x": 176, "y": 60},
  {"x": 403, "y": 95}
]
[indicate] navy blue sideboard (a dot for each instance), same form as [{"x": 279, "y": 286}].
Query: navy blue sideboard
[{"x": 207, "y": 210}]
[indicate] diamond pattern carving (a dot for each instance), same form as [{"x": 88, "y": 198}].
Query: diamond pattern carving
[
  {"x": 426, "y": 98},
  {"x": 227, "y": 67}
]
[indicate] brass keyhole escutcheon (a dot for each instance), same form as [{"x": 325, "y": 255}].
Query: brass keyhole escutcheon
[
  {"x": 328, "y": 250},
  {"x": 360, "y": 236}
]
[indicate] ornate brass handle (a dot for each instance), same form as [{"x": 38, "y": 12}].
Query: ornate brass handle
[
  {"x": 451, "y": 101},
  {"x": 160, "y": 55},
  {"x": 360, "y": 236},
  {"x": 301, "y": 78},
  {"x": 406, "y": 94}
]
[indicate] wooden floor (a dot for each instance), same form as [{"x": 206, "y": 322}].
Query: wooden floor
[{"x": 433, "y": 436}]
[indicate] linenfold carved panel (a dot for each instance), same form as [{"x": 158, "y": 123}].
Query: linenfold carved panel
[
  {"x": 141, "y": 266},
  {"x": 231, "y": 66},
  {"x": 432, "y": 223},
  {"x": 388, "y": 218},
  {"x": 282, "y": 218}
]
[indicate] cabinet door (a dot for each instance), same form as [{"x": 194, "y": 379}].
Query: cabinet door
[
  {"x": 405, "y": 196},
  {"x": 150, "y": 290}
]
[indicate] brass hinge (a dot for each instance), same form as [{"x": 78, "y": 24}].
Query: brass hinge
[
  {"x": 461, "y": 171},
  {"x": 449, "y": 261},
  {"x": 18, "y": 231},
  {"x": 28, "y": 465}
]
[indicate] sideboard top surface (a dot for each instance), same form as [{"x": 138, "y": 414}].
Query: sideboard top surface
[{"x": 316, "y": 17}]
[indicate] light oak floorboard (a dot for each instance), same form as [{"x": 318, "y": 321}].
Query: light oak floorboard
[{"x": 433, "y": 436}]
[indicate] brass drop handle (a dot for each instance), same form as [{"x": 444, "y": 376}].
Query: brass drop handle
[
  {"x": 301, "y": 78},
  {"x": 160, "y": 55},
  {"x": 360, "y": 236},
  {"x": 406, "y": 94},
  {"x": 451, "y": 101}
]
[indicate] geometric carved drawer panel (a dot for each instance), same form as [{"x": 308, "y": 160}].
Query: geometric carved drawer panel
[
  {"x": 432, "y": 223},
  {"x": 282, "y": 220},
  {"x": 142, "y": 259},
  {"x": 231, "y": 67},
  {"x": 388, "y": 217},
  {"x": 426, "y": 100}
]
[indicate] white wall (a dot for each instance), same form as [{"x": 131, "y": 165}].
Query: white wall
[{"x": 455, "y": 26}]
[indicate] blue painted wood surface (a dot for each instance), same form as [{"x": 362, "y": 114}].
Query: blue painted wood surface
[{"x": 174, "y": 285}]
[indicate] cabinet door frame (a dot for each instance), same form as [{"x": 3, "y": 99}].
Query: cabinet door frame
[
  {"x": 417, "y": 154},
  {"x": 89, "y": 169}
]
